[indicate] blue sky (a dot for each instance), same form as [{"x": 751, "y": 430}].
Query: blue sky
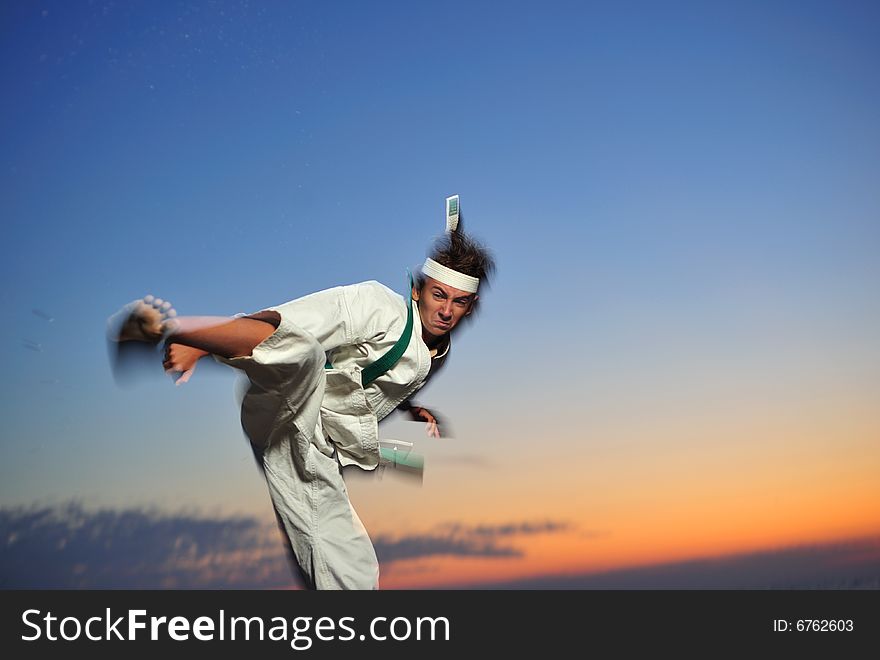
[{"x": 681, "y": 196}]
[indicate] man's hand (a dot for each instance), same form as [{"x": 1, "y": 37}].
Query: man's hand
[
  {"x": 182, "y": 359},
  {"x": 432, "y": 425}
]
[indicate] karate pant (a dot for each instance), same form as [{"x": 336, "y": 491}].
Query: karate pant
[{"x": 280, "y": 413}]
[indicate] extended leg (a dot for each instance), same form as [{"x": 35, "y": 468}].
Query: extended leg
[
  {"x": 222, "y": 336},
  {"x": 152, "y": 320}
]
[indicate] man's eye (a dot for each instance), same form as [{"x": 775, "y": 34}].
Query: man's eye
[{"x": 438, "y": 296}]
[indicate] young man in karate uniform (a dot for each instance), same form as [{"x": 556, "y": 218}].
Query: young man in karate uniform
[{"x": 323, "y": 370}]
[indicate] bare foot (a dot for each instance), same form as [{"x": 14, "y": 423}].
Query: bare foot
[{"x": 147, "y": 320}]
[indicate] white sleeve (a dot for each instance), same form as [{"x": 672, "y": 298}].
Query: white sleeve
[{"x": 335, "y": 317}]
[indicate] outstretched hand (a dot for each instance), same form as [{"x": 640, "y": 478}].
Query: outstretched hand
[
  {"x": 432, "y": 425},
  {"x": 180, "y": 359}
]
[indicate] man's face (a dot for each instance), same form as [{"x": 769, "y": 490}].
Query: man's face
[{"x": 441, "y": 307}]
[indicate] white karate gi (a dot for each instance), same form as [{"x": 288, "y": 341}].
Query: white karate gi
[{"x": 306, "y": 421}]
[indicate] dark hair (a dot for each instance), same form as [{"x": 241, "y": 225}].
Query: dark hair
[{"x": 458, "y": 251}]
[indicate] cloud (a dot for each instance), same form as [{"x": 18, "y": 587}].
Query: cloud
[
  {"x": 69, "y": 547},
  {"x": 463, "y": 541},
  {"x": 466, "y": 460},
  {"x": 412, "y": 547},
  {"x": 521, "y": 529},
  {"x": 854, "y": 564}
]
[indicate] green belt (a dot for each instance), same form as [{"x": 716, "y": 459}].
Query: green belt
[{"x": 373, "y": 371}]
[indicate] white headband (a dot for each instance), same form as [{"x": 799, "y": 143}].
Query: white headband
[{"x": 451, "y": 277}]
